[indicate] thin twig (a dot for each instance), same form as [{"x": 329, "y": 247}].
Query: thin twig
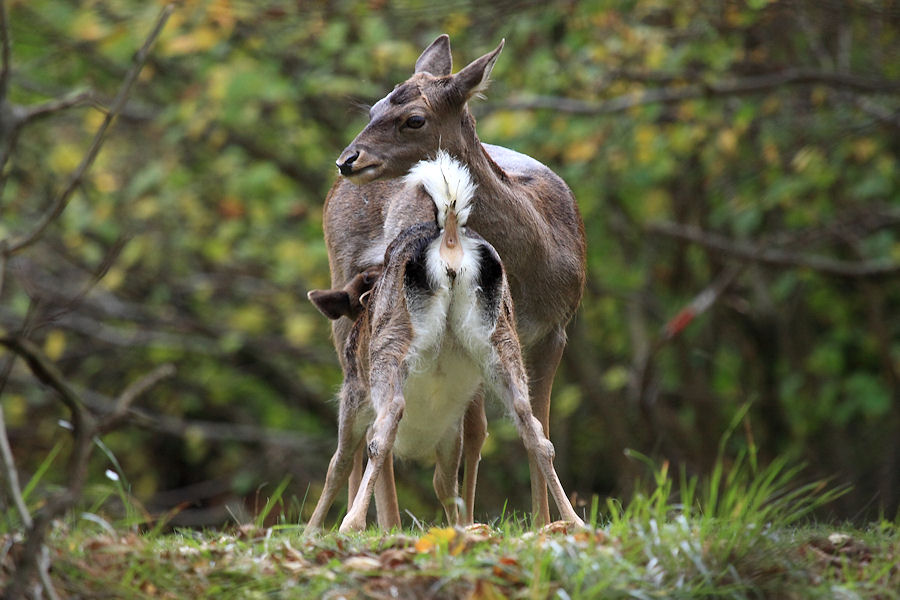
[
  {"x": 83, "y": 431},
  {"x": 31, "y": 113},
  {"x": 49, "y": 374},
  {"x": 132, "y": 392},
  {"x": 680, "y": 93},
  {"x": 34, "y": 556},
  {"x": 3, "y": 258},
  {"x": 699, "y": 305},
  {"x": 776, "y": 257},
  {"x": 12, "y": 476},
  {"x": 62, "y": 199},
  {"x": 4, "y": 51}
]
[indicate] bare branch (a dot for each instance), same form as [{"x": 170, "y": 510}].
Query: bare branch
[
  {"x": 680, "y": 93},
  {"x": 30, "y": 113},
  {"x": 83, "y": 431},
  {"x": 34, "y": 557},
  {"x": 4, "y": 51},
  {"x": 62, "y": 200},
  {"x": 3, "y": 259},
  {"x": 699, "y": 305},
  {"x": 878, "y": 112},
  {"x": 46, "y": 372},
  {"x": 132, "y": 392},
  {"x": 775, "y": 257},
  {"x": 12, "y": 476},
  {"x": 212, "y": 431}
]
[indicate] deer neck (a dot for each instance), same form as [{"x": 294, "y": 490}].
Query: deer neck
[{"x": 504, "y": 212}]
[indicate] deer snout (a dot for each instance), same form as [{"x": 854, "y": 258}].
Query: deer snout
[
  {"x": 358, "y": 165},
  {"x": 345, "y": 162}
]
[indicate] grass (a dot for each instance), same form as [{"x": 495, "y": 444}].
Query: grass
[
  {"x": 625, "y": 557},
  {"x": 744, "y": 532}
]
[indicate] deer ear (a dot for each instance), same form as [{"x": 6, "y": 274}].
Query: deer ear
[
  {"x": 473, "y": 79},
  {"x": 334, "y": 304},
  {"x": 436, "y": 58}
]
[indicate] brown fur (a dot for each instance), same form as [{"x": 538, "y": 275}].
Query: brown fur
[
  {"x": 378, "y": 357},
  {"x": 522, "y": 208}
]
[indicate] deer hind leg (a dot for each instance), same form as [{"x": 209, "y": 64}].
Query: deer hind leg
[
  {"x": 386, "y": 506},
  {"x": 509, "y": 383},
  {"x": 342, "y": 461},
  {"x": 474, "y": 434},
  {"x": 355, "y": 473},
  {"x": 446, "y": 474},
  {"x": 389, "y": 404},
  {"x": 542, "y": 362}
]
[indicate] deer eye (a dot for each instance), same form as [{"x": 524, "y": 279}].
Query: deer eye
[{"x": 415, "y": 121}]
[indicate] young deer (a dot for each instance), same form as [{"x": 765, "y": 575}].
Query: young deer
[
  {"x": 521, "y": 207},
  {"x": 438, "y": 323}
]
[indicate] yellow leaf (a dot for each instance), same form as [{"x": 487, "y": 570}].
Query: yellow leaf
[
  {"x": 644, "y": 140},
  {"x": 88, "y": 27},
  {"x": 55, "y": 344},
  {"x": 864, "y": 149},
  {"x": 200, "y": 39},
  {"x": 727, "y": 141},
  {"x": 65, "y": 157},
  {"x": 114, "y": 278},
  {"x": 436, "y": 537},
  {"x": 15, "y": 410},
  {"x": 251, "y": 319},
  {"x": 106, "y": 182},
  {"x": 581, "y": 151},
  {"x": 299, "y": 328}
]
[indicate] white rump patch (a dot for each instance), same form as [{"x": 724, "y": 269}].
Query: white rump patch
[{"x": 449, "y": 184}]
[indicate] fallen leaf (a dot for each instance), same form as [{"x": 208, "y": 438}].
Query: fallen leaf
[
  {"x": 562, "y": 527},
  {"x": 436, "y": 537},
  {"x": 485, "y": 590},
  {"x": 395, "y": 557},
  {"x": 506, "y": 569},
  {"x": 291, "y": 552},
  {"x": 361, "y": 563},
  {"x": 479, "y": 532}
]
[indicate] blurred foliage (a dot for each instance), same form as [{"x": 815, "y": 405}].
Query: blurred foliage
[{"x": 772, "y": 124}]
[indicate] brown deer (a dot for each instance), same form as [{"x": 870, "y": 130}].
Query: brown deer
[
  {"x": 522, "y": 208},
  {"x": 438, "y": 322}
]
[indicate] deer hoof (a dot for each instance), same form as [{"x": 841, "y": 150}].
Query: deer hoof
[{"x": 351, "y": 524}]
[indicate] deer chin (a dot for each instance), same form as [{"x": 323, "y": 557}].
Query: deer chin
[{"x": 366, "y": 174}]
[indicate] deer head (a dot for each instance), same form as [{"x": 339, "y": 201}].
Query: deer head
[{"x": 420, "y": 116}]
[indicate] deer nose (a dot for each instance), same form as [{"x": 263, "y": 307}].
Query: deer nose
[{"x": 346, "y": 167}]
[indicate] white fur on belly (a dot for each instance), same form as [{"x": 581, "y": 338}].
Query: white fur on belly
[
  {"x": 451, "y": 342},
  {"x": 436, "y": 400}
]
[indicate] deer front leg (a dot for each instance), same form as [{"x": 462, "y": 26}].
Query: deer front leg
[
  {"x": 542, "y": 361},
  {"x": 342, "y": 461},
  {"x": 446, "y": 474},
  {"x": 474, "y": 434},
  {"x": 381, "y": 441}
]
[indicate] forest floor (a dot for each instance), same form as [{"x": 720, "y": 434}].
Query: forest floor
[
  {"x": 746, "y": 530},
  {"x": 678, "y": 558}
]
